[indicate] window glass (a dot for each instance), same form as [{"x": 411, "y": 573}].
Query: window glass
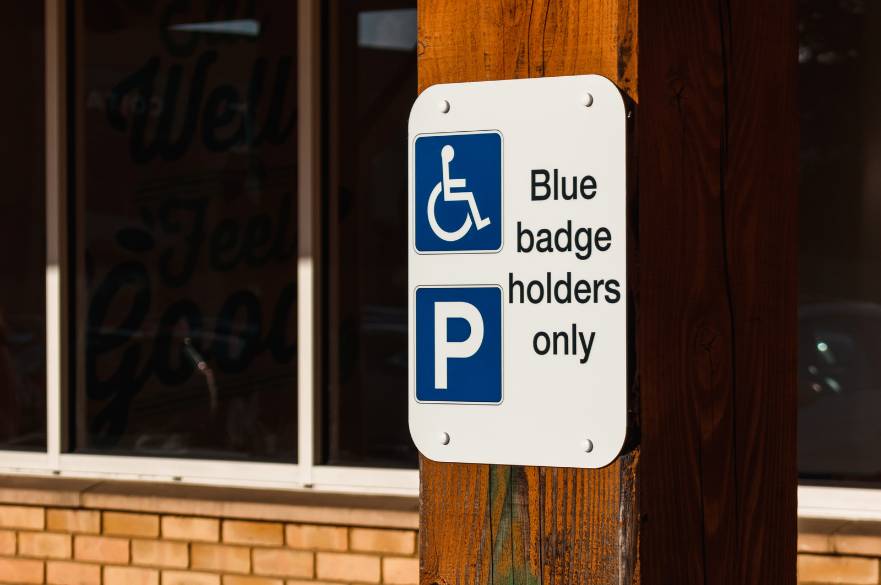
[
  {"x": 185, "y": 228},
  {"x": 23, "y": 229},
  {"x": 371, "y": 84},
  {"x": 840, "y": 240}
]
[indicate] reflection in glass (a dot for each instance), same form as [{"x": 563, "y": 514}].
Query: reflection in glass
[
  {"x": 371, "y": 74},
  {"x": 22, "y": 230},
  {"x": 840, "y": 240},
  {"x": 186, "y": 228}
]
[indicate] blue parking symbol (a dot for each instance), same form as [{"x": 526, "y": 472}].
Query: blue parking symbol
[
  {"x": 459, "y": 344},
  {"x": 458, "y": 192}
]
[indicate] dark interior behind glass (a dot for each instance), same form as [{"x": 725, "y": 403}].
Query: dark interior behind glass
[
  {"x": 840, "y": 241},
  {"x": 23, "y": 229},
  {"x": 185, "y": 225},
  {"x": 370, "y": 82}
]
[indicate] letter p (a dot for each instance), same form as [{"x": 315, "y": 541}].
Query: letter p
[{"x": 444, "y": 349}]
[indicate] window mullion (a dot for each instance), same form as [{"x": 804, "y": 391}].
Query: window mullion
[
  {"x": 308, "y": 216},
  {"x": 56, "y": 182}
]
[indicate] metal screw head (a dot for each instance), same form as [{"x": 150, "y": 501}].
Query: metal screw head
[
  {"x": 587, "y": 444},
  {"x": 444, "y": 438},
  {"x": 443, "y": 106},
  {"x": 587, "y": 99}
]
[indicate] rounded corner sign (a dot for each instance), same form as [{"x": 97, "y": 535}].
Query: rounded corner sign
[{"x": 518, "y": 272}]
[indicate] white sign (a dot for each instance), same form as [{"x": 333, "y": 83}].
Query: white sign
[{"x": 518, "y": 272}]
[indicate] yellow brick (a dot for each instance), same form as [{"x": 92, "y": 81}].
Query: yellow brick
[
  {"x": 7, "y": 542},
  {"x": 310, "y": 537},
  {"x": 236, "y": 580},
  {"x": 67, "y": 573},
  {"x": 218, "y": 557},
  {"x": 101, "y": 549},
  {"x": 265, "y": 533},
  {"x": 828, "y": 570},
  {"x": 347, "y": 567},
  {"x": 283, "y": 563},
  {"x": 130, "y": 576},
  {"x": 189, "y": 578},
  {"x": 78, "y": 521},
  {"x": 308, "y": 582},
  {"x": 193, "y": 529},
  {"x": 400, "y": 571},
  {"x": 123, "y": 524},
  {"x": 402, "y": 542},
  {"x": 814, "y": 543},
  {"x": 856, "y": 544},
  {"x": 21, "y": 517},
  {"x": 44, "y": 545},
  {"x": 158, "y": 553},
  {"x": 21, "y": 570}
]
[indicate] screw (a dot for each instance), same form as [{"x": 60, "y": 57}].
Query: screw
[
  {"x": 587, "y": 444},
  {"x": 587, "y": 100},
  {"x": 444, "y": 106},
  {"x": 444, "y": 438}
]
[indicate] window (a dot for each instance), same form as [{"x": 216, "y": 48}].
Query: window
[
  {"x": 186, "y": 229},
  {"x": 180, "y": 169},
  {"x": 372, "y": 84},
  {"x": 23, "y": 232},
  {"x": 840, "y": 246}
]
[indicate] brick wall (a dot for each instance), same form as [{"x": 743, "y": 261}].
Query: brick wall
[
  {"x": 61, "y": 531},
  {"x": 839, "y": 552},
  {"x": 65, "y": 546},
  {"x": 68, "y": 546}
]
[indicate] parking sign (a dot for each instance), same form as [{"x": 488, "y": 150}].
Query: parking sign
[
  {"x": 518, "y": 272},
  {"x": 459, "y": 344}
]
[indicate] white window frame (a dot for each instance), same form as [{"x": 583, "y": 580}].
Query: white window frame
[
  {"x": 306, "y": 474},
  {"x": 839, "y": 503}
]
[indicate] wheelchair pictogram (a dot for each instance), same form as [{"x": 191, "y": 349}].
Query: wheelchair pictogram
[
  {"x": 446, "y": 186},
  {"x": 457, "y": 192}
]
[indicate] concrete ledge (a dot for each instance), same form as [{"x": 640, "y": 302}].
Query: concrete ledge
[
  {"x": 219, "y": 502},
  {"x": 43, "y": 491}
]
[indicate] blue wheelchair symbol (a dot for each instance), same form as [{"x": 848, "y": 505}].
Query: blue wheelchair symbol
[
  {"x": 459, "y": 192},
  {"x": 459, "y": 344}
]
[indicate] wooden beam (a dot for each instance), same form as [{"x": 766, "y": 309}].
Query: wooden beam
[
  {"x": 705, "y": 492},
  {"x": 718, "y": 179},
  {"x": 498, "y": 524}
]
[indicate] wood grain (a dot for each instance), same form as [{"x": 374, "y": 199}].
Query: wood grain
[
  {"x": 514, "y": 525},
  {"x": 706, "y": 494},
  {"x": 716, "y": 338},
  {"x": 761, "y": 185}
]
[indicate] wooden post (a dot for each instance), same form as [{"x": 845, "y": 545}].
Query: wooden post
[{"x": 706, "y": 491}]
